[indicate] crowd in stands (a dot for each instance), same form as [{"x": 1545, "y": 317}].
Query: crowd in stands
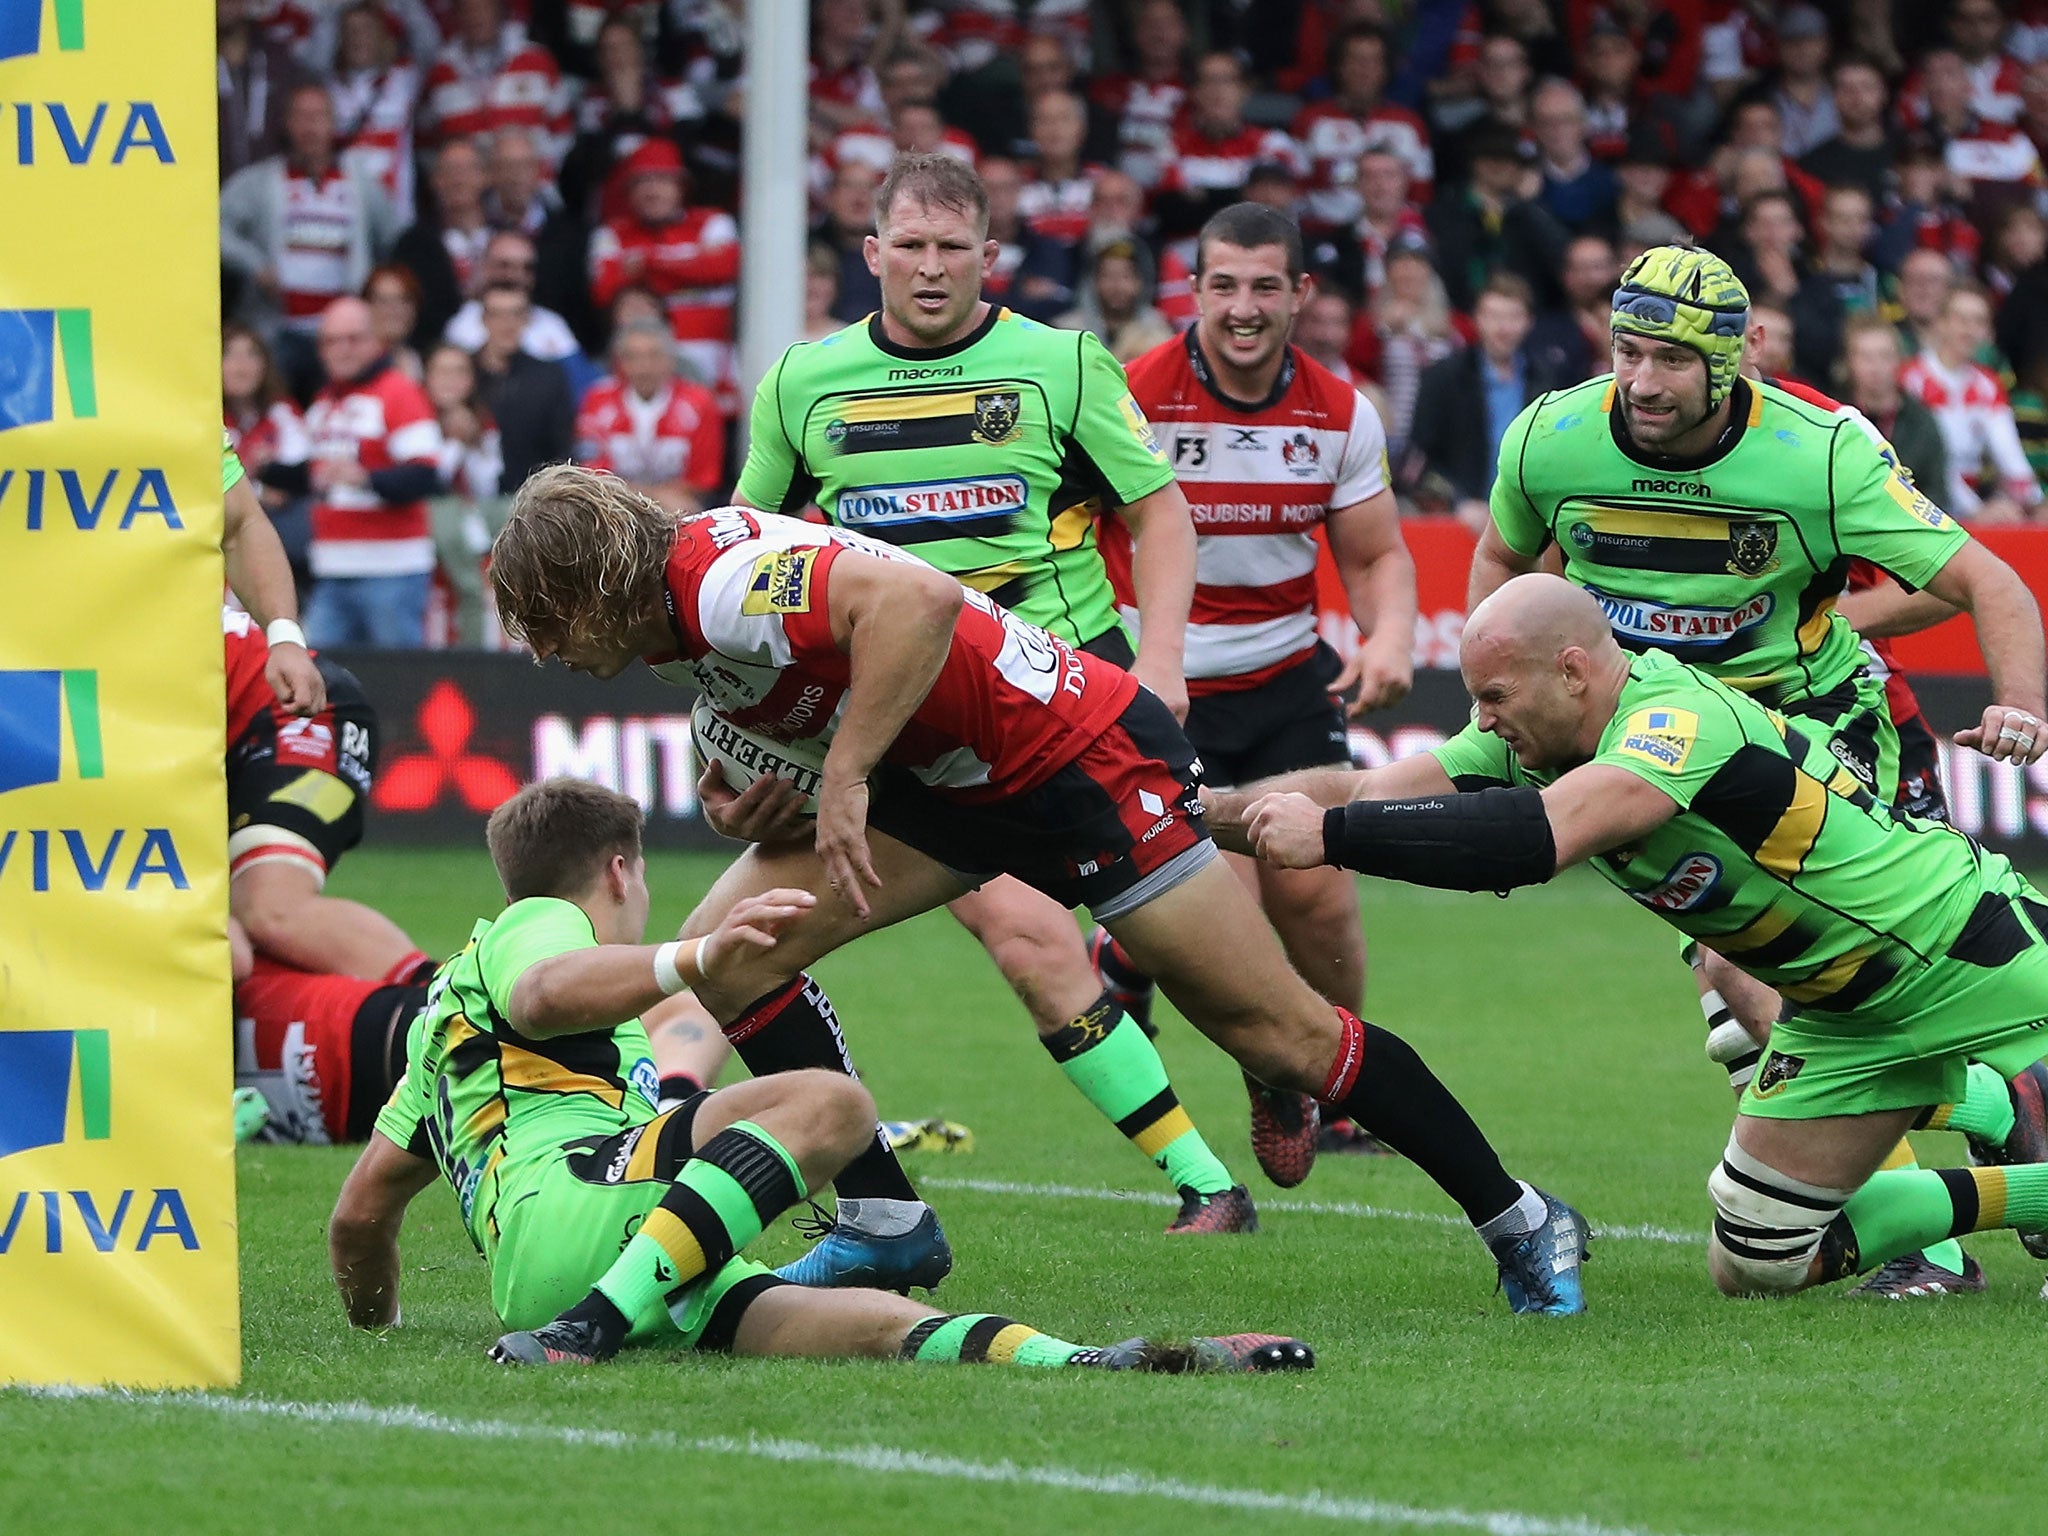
[{"x": 463, "y": 238}]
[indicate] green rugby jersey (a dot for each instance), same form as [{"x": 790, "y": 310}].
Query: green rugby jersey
[
  {"x": 990, "y": 458},
  {"x": 1733, "y": 563},
  {"x": 1778, "y": 858},
  {"x": 487, "y": 1104}
]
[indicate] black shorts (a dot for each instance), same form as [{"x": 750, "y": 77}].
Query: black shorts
[
  {"x": 1118, "y": 826},
  {"x": 297, "y": 787},
  {"x": 1290, "y": 721},
  {"x": 1920, "y": 790}
]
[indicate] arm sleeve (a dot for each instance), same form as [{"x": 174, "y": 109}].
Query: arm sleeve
[
  {"x": 764, "y": 603},
  {"x": 773, "y": 474},
  {"x": 403, "y": 1119},
  {"x": 230, "y": 466},
  {"x": 1362, "y": 469},
  {"x": 1473, "y": 759},
  {"x": 1522, "y": 527},
  {"x": 1881, "y": 516},
  {"x": 1111, "y": 429},
  {"x": 526, "y": 933}
]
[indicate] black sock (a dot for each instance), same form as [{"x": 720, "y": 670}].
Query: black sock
[
  {"x": 597, "y": 1308},
  {"x": 794, "y": 1026},
  {"x": 1398, "y": 1099},
  {"x": 679, "y": 1085}
]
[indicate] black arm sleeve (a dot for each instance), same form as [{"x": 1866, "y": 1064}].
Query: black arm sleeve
[
  {"x": 1492, "y": 841},
  {"x": 402, "y": 483}
]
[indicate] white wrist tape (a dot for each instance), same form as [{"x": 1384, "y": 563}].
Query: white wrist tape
[
  {"x": 666, "y": 976},
  {"x": 285, "y": 632}
]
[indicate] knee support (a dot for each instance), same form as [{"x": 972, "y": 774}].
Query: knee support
[{"x": 1768, "y": 1227}]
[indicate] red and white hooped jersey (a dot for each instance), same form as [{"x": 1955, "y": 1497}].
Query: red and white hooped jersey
[
  {"x": 1058, "y": 209},
  {"x": 1260, "y": 480},
  {"x": 1977, "y": 424},
  {"x": 747, "y": 599},
  {"x": 373, "y": 113},
  {"x": 678, "y": 435},
  {"x": 278, "y": 436},
  {"x": 1331, "y": 141},
  {"x": 973, "y": 33},
  {"x": 1202, "y": 164},
  {"x": 320, "y": 215},
  {"x": 1145, "y": 113},
  {"x": 693, "y": 265},
  {"x": 516, "y": 84},
  {"x": 380, "y": 422}
]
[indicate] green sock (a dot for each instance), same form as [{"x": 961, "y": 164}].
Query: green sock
[
  {"x": 1902, "y": 1209},
  {"x": 1985, "y": 1114},
  {"x": 735, "y": 1184},
  {"x": 1118, "y": 1070},
  {"x": 982, "y": 1338}
]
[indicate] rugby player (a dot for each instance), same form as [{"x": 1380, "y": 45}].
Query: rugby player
[
  {"x": 260, "y": 576},
  {"x": 530, "y": 1090},
  {"x": 989, "y": 445},
  {"x": 961, "y": 743},
  {"x": 324, "y": 1052},
  {"x": 1904, "y": 950},
  {"x": 1269, "y": 445}
]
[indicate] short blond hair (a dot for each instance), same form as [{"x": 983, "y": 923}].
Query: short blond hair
[{"x": 580, "y": 560}]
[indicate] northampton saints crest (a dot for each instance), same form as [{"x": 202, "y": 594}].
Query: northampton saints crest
[
  {"x": 1752, "y": 548},
  {"x": 995, "y": 416}
]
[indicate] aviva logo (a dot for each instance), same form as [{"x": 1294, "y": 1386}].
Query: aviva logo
[
  {"x": 36, "y": 1073},
  {"x": 35, "y": 708},
  {"x": 36, "y": 345},
  {"x": 21, "y": 26}
]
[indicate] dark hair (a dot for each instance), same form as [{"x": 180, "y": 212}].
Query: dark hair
[
  {"x": 553, "y": 838},
  {"x": 933, "y": 179},
  {"x": 1348, "y": 34},
  {"x": 1249, "y": 226},
  {"x": 1509, "y": 285},
  {"x": 402, "y": 275},
  {"x": 270, "y": 388}
]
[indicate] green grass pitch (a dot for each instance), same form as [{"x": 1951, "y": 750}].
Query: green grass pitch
[{"x": 1563, "y": 1019}]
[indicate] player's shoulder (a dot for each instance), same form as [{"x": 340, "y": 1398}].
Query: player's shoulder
[
  {"x": 1668, "y": 712},
  {"x": 1161, "y": 370},
  {"x": 1785, "y": 411},
  {"x": 1322, "y": 391},
  {"x": 1565, "y": 422}
]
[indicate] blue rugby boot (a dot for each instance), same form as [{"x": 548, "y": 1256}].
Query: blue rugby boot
[
  {"x": 1539, "y": 1270},
  {"x": 845, "y": 1256}
]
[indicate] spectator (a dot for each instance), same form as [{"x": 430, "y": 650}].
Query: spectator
[
  {"x": 302, "y": 229},
  {"x": 1275, "y": 186},
  {"x": 821, "y": 292},
  {"x": 528, "y": 397},
  {"x": 1578, "y": 191},
  {"x": 1976, "y": 28},
  {"x": 1054, "y": 198},
  {"x": 269, "y": 436},
  {"x": 375, "y": 92},
  {"x": 986, "y": 37},
  {"x": 1608, "y": 72},
  {"x": 1643, "y": 181},
  {"x": 375, "y": 452},
  {"x": 1755, "y": 125},
  {"x": 469, "y": 511},
  {"x": 910, "y": 86},
  {"x": 1465, "y": 402},
  {"x": 1115, "y": 302},
  {"x": 510, "y": 258},
  {"x": 1355, "y": 258},
  {"x": 1502, "y": 78},
  {"x": 1033, "y": 275},
  {"x": 661, "y": 434},
  {"x": 689, "y": 256},
  {"x": 1117, "y": 212},
  {"x": 1869, "y": 380},
  {"x": 1664, "y": 34},
  {"x": 1214, "y": 150},
  {"x": 1805, "y": 103},
  {"x": 1840, "y": 281},
  {"x": 846, "y": 45},
  {"x": 2018, "y": 240},
  {"x": 1045, "y": 65},
  {"x": 1323, "y": 331},
  {"x": 1861, "y": 151},
  {"x": 1573, "y": 341},
  {"x": 1411, "y": 328},
  {"x": 1926, "y": 278},
  {"x": 489, "y": 76},
  {"x": 445, "y": 249},
  {"x": 1989, "y": 480},
  {"x": 2033, "y": 119},
  {"x": 1647, "y": 232},
  {"x": 1335, "y": 132},
  {"x": 625, "y": 106},
  {"x": 1147, "y": 102},
  {"x": 517, "y": 196},
  {"x": 257, "y": 77},
  {"x": 393, "y": 294},
  {"x": 1736, "y": 49},
  {"x": 1770, "y": 260},
  {"x": 1776, "y": 340},
  {"x": 1926, "y": 214},
  {"x": 848, "y": 220},
  {"x": 1490, "y": 225}
]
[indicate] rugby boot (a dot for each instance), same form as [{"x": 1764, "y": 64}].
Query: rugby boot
[
  {"x": 1539, "y": 1270},
  {"x": 1229, "y": 1211},
  {"x": 843, "y": 1256},
  {"x": 1910, "y": 1276},
  {"x": 1348, "y": 1136},
  {"x": 1284, "y": 1127},
  {"x": 1132, "y": 989},
  {"x": 1203, "y": 1356},
  {"x": 2028, "y": 1140},
  {"x": 561, "y": 1342},
  {"x": 927, "y": 1136}
]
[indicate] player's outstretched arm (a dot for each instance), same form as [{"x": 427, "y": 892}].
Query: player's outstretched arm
[
  {"x": 362, "y": 1234},
  {"x": 1300, "y": 799},
  {"x": 260, "y": 576},
  {"x": 1379, "y": 582},
  {"x": 2009, "y": 633},
  {"x": 1163, "y": 571},
  {"x": 1596, "y": 808},
  {"x": 604, "y": 985}
]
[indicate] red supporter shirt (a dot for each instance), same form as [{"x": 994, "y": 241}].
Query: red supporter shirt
[
  {"x": 1331, "y": 141},
  {"x": 1058, "y": 210},
  {"x": 472, "y": 91},
  {"x": 693, "y": 264},
  {"x": 678, "y": 435},
  {"x": 380, "y": 422},
  {"x": 747, "y": 598},
  {"x": 1260, "y": 480},
  {"x": 1203, "y": 164},
  {"x": 1145, "y": 112}
]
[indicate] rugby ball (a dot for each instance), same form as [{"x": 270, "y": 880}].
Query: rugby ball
[{"x": 743, "y": 756}]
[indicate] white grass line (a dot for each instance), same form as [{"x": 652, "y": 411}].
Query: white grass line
[
  {"x": 879, "y": 1460},
  {"x": 1306, "y": 1207}
]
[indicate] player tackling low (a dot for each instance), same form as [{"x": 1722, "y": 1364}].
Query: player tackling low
[
  {"x": 530, "y": 1090},
  {"x": 1904, "y": 950}
]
